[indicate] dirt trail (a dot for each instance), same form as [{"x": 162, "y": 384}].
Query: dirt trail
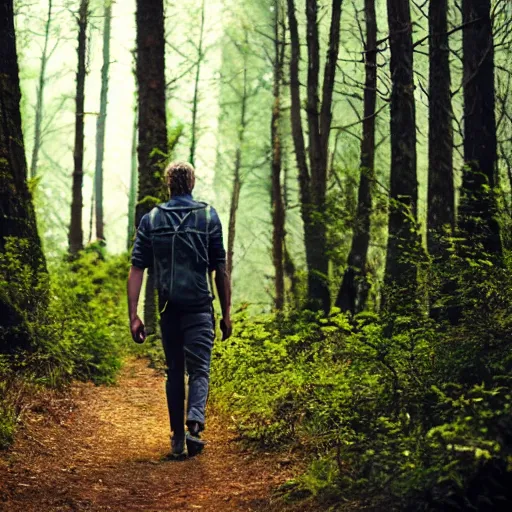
[{"x": 100, "y": 448}]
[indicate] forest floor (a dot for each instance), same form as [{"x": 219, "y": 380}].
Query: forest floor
[{"x": 101, "y": 448}]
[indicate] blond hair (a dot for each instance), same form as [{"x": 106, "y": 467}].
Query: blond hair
[{"x": 180, "y": 178}]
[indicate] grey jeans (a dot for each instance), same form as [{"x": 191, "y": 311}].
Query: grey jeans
[{"x": 187, "y": 340}]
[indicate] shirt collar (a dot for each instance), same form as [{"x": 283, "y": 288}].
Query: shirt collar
[{"x": 182, "y": 196}]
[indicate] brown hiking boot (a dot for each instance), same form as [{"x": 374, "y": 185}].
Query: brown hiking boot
[
  {"x": 195, "y": 444},
  {"x": 178, "y": 451}
]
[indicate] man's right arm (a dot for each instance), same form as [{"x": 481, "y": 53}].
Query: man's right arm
[
  {"x": 142, "y": 256},
  {"x": 134, "y": 285}
]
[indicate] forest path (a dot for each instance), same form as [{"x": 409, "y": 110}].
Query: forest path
[{"x": 100, "y": 448}]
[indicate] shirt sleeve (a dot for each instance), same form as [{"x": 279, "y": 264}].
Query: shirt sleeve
[
  {"x": 142, "y": 253},
  {"x": 216, "y": 252}
]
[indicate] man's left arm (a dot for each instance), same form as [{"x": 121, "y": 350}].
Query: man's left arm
[{"x": 217, "y": 260}]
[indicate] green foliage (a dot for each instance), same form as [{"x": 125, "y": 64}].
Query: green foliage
[
  {"x": 149, "y": 202},
  {"x": 7, "y": 405},
  {"x": 76, "y": 334},
  {"x": 418, "y": 415},
  {"x": 23, "y": 292},
  {"x": 87, "y": 316}
]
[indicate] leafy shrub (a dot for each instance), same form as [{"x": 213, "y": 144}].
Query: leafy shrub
[
  {"x": 7, "y": 408},
  {"x": 69, "y": 323},
  {"x": 87, "y": 315},
  {"x": 419, "y": 414}
]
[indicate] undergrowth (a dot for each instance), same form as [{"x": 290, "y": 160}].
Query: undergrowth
[
  {"x": 73, "y": 326},
  {"x": 417, "y": 417}
]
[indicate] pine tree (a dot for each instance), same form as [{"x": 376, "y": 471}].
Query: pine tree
[
  {"x": 313, "y": 175},
  {"x": 278, "y": 212},
  {"x": 354, "y": 287},
  {"x": 101, "y": 123},
  {"x": 441, "y": 197},
  {"x": 76, "y": 234},
  {"x": 152, "y": 148},
  {"x": 17, "y": 217},
  {"x": 477, "y": 212},
  {"x": 401, "y": 268}
]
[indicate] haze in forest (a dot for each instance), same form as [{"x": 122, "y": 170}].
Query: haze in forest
[
  {"x": 235, "y": 35},
  {"x": 59, "y": 106},
  {"x": 360, "y": 156}
]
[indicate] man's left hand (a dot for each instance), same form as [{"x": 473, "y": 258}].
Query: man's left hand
[{"x": 226, "y": 328}]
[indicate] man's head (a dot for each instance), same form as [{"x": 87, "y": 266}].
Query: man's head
[{"x": 180, "y": 178}]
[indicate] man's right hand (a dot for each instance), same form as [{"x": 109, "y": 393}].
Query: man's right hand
[
  {"x": 226, "y": 328},
  {"x": 138, "y": 330}
]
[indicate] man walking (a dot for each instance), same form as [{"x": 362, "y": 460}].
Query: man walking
[{"x": 182, "y": 241}]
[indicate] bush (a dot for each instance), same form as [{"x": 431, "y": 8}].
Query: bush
[
  {"x": 420, "y": 415},
  {"x": 77, "y": 331},
  {"x": 7, "y": 405}
]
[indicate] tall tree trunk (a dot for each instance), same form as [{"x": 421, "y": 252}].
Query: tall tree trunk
[
  {"x": 295, "y": 110},
  {"x": 401, "y": 268},
  {"x": 296, "y": 125},
  {"x": 298, "y": 136},
  {"x": 441, "y": 189},
  {"x": 288, "y": 264},
  {"x": 91, "y": 216},
  {"x": 478, "y": 205},
  {"x": 101, "y": 122},
  {"x": 237, "y": 179},
  {"x": 235, "y": 199},
  {"x": 75, "y": 230},
  {"x": 313, "y": 185},
  {"x": 152, "y": 148},
  {"x": 318, "y": 288},
  {"x": 17, "y": 218},
  {"x": 278, "y": 213},
  {"x": 40, "y": 95},
  {"x": 441, "y": 197},
  {"x": 319, "y": 125},
  {"x": 150, "y": 69},
  {"x": 291, "y": 274},
  {"x": 195, "y": 101},
  {"x": 132, "y": 193},
  {"x": 353, "y": 292}
]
